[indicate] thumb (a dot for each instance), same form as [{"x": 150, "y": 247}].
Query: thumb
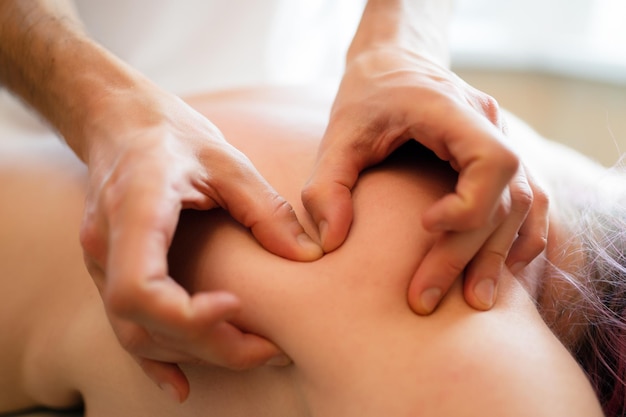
[
  {"x": 327, "y": 195},
  {"x": 252, "y": 201}
]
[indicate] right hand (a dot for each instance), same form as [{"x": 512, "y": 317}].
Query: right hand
[
  {"x": 495, "y": 216},
  {"x": 149, "y": 156}
]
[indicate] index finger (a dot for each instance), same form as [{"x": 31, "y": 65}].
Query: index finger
[
  {"x": 485, "y": 164},
  {"x": 141, "y": 226}
]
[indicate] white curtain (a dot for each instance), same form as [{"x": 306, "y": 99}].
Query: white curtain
[{"x": 583, "y": 38}]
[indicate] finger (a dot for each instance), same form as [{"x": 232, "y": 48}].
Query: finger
[
  {"x": 93, "y": 234},
  {"x": 344, "y": 152},
  {"x": 484, "y": 271},
  {"x": 272, "y": 220},
  {"x": 132, "y": 336},
  {"x": 211, "y": 339},
  {"x": 327, "y": 197},
  {"x": 246, "y": 349},
  {"x": 532, "y": 237},
  {"x": 95, "y": 271},
  {"x": 201, "y": 335},
  {"x": 227, "y": 346},
  {"x": 442, "y": 265},
  {"x": 141, "y": 343},
  {"x": 141, "y": 227},
  {"x": 161, "y": 306},
  {"x": 166, "y": 308},
  {"x": 485, "y": 167},
  {"x": 138, "y": 287},
  {"x": 168, "y": 377},
  {"x": 487, "y": 106}
]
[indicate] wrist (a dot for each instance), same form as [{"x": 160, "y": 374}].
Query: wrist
[
  {"x": 416, "y": 26},
  {"x": 51, "y": 64},
  {"x": 94, "y": 95}
]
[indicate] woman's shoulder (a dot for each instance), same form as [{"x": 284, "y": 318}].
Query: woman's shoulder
[{"x": 507, "y": 362}]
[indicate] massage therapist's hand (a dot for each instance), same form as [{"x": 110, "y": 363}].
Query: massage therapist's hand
[
  {"x": 149, "y": 156},
  {"x": 496, "y": 214}
]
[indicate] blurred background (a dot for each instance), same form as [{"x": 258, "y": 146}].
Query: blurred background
[{"x": 558, "y": 64}]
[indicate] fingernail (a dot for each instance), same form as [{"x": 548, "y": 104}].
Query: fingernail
[
  {"x": 279, "y": 360},
  {"x": 430, "y": 298},
  {"x": 517, "y": 267},
  {"x": 485, "y": 291},
  {"x": 307, "y": 243},
  {"x": 170, "y": 391}
]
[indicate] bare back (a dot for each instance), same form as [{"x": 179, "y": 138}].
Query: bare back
[{"x": 357, "y": 348}]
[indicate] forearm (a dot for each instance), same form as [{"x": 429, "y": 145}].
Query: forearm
[
  {"x": 420, "y": 26},
  {"x": 47, "y": 59}
]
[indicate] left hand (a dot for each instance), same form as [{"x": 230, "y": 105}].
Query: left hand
[
  {"x": 150, "y": 155},
  {"x": 496, "y": 214}
]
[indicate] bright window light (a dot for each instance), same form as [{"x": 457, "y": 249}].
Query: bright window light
[{"x": 583, "y": 38}]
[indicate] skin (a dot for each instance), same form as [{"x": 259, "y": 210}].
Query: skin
[
  {"x": 126, "y": 129},
  {"x": 397, "y": 86},
  {"x": 128, "y": 224},
  {"x": 357, "y": 347}
]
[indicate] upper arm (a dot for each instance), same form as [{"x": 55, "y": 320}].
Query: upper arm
[{"x": 510, "y": 364}]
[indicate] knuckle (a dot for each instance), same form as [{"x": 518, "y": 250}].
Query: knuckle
[
  {"x": 541, "y": 198},
  {"x": 280, "y": 206},
  {"x": 509, "y": 161},
  {"x": 231, "y": 161},
  {"x": 522, "y": 197},
  {"x": 491, "y": 108},
  {"x": 285, "y": 215},
  {"x": 311, "y": 193},
  {"x": 500, "y": 213},
  {"x": 90, "y": 240},
  {"x": 492, "y": 256},
  {"x": 452, "y": 267},
  {"x": 113, "y": 193},
  {"x": 536, "y": 244},
  {"x": 275, "y": 207}
]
